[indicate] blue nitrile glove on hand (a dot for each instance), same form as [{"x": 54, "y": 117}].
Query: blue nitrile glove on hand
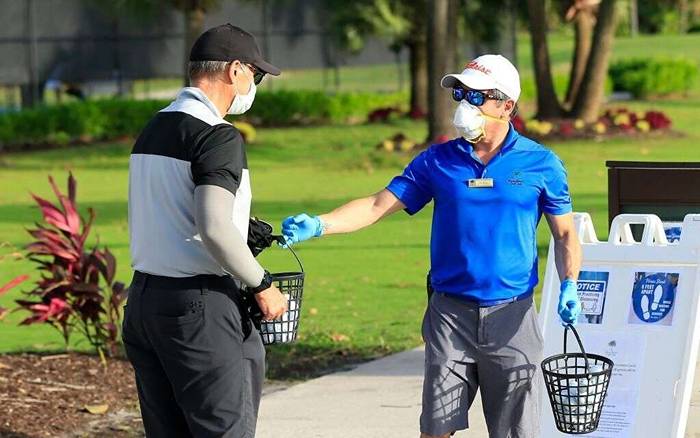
[
  {"x": 569, "y": 303},
  {"x": 301, "y": 227}
]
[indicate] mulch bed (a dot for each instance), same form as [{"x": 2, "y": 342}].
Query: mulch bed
[{"x": 46, "y": 396}]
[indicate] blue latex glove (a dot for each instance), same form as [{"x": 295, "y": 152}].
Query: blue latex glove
[
  {"x": 301, "y": 227},
  {"x": 569, "y": 303}
]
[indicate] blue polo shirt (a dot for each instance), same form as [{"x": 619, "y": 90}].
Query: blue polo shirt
[{"x": 483, "y": 245}]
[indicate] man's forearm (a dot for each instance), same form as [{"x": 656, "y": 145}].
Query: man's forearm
[
  {"x": 213, "y": 206},
  {"x": 350, "y": 217},
  {"x": 567, "y": 256},
  {"x": 360, "y": 213}
]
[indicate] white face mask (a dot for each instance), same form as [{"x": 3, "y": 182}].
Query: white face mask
[
  {"x": 242, "y": 102},
  {"x": 470, "y": 121}
]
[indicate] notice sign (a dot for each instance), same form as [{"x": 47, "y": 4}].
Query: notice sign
[
  {"x": 592, "y": 288},
  {"x": 653, "y": 295}
]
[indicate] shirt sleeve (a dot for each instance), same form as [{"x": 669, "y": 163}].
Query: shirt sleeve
[
  {"x": 413, "y": 187},
  {"x": 219, "y": 158},
  {"x": 555, "y": 198}
]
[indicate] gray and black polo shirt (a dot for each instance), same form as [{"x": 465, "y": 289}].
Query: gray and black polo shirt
[{"x": 185, "y": 145}]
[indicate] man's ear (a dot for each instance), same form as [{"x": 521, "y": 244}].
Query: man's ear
[
  {"x": 233, "y": 70},
  {"x": 509, "y": 107}
]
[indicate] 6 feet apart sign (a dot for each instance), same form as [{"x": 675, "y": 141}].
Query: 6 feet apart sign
[{"x": 653, "y": 296}]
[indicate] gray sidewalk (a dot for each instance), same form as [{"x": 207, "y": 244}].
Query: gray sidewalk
[{"x": 377, "y": 399}]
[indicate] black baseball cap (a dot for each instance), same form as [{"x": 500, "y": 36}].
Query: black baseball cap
[{"x": 227, "y": 43}]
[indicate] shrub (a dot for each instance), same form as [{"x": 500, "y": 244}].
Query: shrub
[
  {"x": 247, "y": 131},
  {"x": 113, "y": 118},
  {"x": 312, "y": 107},
  {"x": 77, "y": 289},
  {"x": 382, "y": 115},
  {"x": 618, "y": 121},
  {"x": 645, "y": 77},
  {"x": 128, "y": 117}
]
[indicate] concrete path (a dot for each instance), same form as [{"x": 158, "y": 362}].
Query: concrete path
[{"x": 378, "y": 399}]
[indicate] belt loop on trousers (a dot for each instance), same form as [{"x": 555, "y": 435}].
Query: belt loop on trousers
[{"x": 203, "y": 285}]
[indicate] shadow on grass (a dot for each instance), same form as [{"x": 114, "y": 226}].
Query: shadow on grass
[
  {"x": 106, "y": 212},
  {"x": 100, "y": 156},
  {"x": 301, "y": 361},
  {"x": 110, "y": 212}
]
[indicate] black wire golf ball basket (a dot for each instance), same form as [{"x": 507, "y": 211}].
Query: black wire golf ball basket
[
  {"x": 284, "y": 330},
  {"x": 577, "y": 384}
]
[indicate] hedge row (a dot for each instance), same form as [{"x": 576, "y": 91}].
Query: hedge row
[
  {"x": 107, "y": 119},
  {"x": 308, "y": 107},
  {"x": 647, "y": 77},
  {"x": 62, "y": 124}
]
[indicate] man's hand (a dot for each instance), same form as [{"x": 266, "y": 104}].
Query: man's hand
[
  {"x": 569, "y": 303},
  {"x": 272, "y": 303},
  {"x": 301, "y": 227}
]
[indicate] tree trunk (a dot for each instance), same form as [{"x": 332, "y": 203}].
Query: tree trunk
[
  {"x": 634, "y": 18},
  {"x": 442, "y": 47},
  {"x": 417, "y": 44},
  {"x": 583, "y": 26},
  {"x": 30, "y": 94},
  {"x": 590, "y": 96},
  {"x": 194, "y": 22},
  {"x": 418, "y": 60},
  {"x": 683, "y": 16},
  {"x": 399, "y": 69},
  {"x": 513, "y": 29},
  {"x": 547, "y": 104}
]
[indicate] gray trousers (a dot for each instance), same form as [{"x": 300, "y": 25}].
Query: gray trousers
[
  {"x": 498, "y": 349},
  {"x": 198, "y": 360}
]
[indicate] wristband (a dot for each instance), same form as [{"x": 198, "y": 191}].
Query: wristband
[{"x": 264, "y": 284}]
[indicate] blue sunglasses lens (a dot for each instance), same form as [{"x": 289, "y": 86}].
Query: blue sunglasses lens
[{"x": 474, "y": 97}]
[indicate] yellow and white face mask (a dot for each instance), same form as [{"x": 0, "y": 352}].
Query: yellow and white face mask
[{"x": 470, "y": 121}]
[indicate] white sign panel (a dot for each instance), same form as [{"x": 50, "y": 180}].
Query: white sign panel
[
  {"x": 640, "y": 308},
  {"x": 626, "y": 350}
]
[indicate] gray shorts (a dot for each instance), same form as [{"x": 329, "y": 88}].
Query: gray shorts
[{"x": 497, "y": 349}]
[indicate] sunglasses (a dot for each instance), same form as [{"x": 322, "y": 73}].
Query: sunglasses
[
  {"x": 474, "y": 97},
  {"x": 258, "y": 75}
]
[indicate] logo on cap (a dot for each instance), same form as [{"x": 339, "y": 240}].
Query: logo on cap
[{"x": 473, "y": 65}]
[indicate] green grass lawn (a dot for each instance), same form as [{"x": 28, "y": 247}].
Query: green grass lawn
[{"x": 368, "y": 286}]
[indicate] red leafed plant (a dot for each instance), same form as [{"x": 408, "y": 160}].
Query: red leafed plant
[{"x": 77, "y": 289}]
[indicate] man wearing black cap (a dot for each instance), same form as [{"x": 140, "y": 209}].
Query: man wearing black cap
[{"x": 198, "y": 360}]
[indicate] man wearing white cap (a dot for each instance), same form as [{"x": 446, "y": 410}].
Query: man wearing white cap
[{"x": 490, "y": 188}]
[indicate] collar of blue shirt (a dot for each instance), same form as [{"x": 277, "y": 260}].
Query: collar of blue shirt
[{"x": 510, "y": 142}]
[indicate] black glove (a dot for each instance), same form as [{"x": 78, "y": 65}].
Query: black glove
[
  {"x": 429, "y": 287},
  {"x": 260, "y": 236}
]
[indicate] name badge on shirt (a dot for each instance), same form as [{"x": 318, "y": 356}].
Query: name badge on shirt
[{"x": 480, "y": 183}]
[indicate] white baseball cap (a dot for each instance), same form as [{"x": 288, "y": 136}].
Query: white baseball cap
[{"x": 487, "y": 72}]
